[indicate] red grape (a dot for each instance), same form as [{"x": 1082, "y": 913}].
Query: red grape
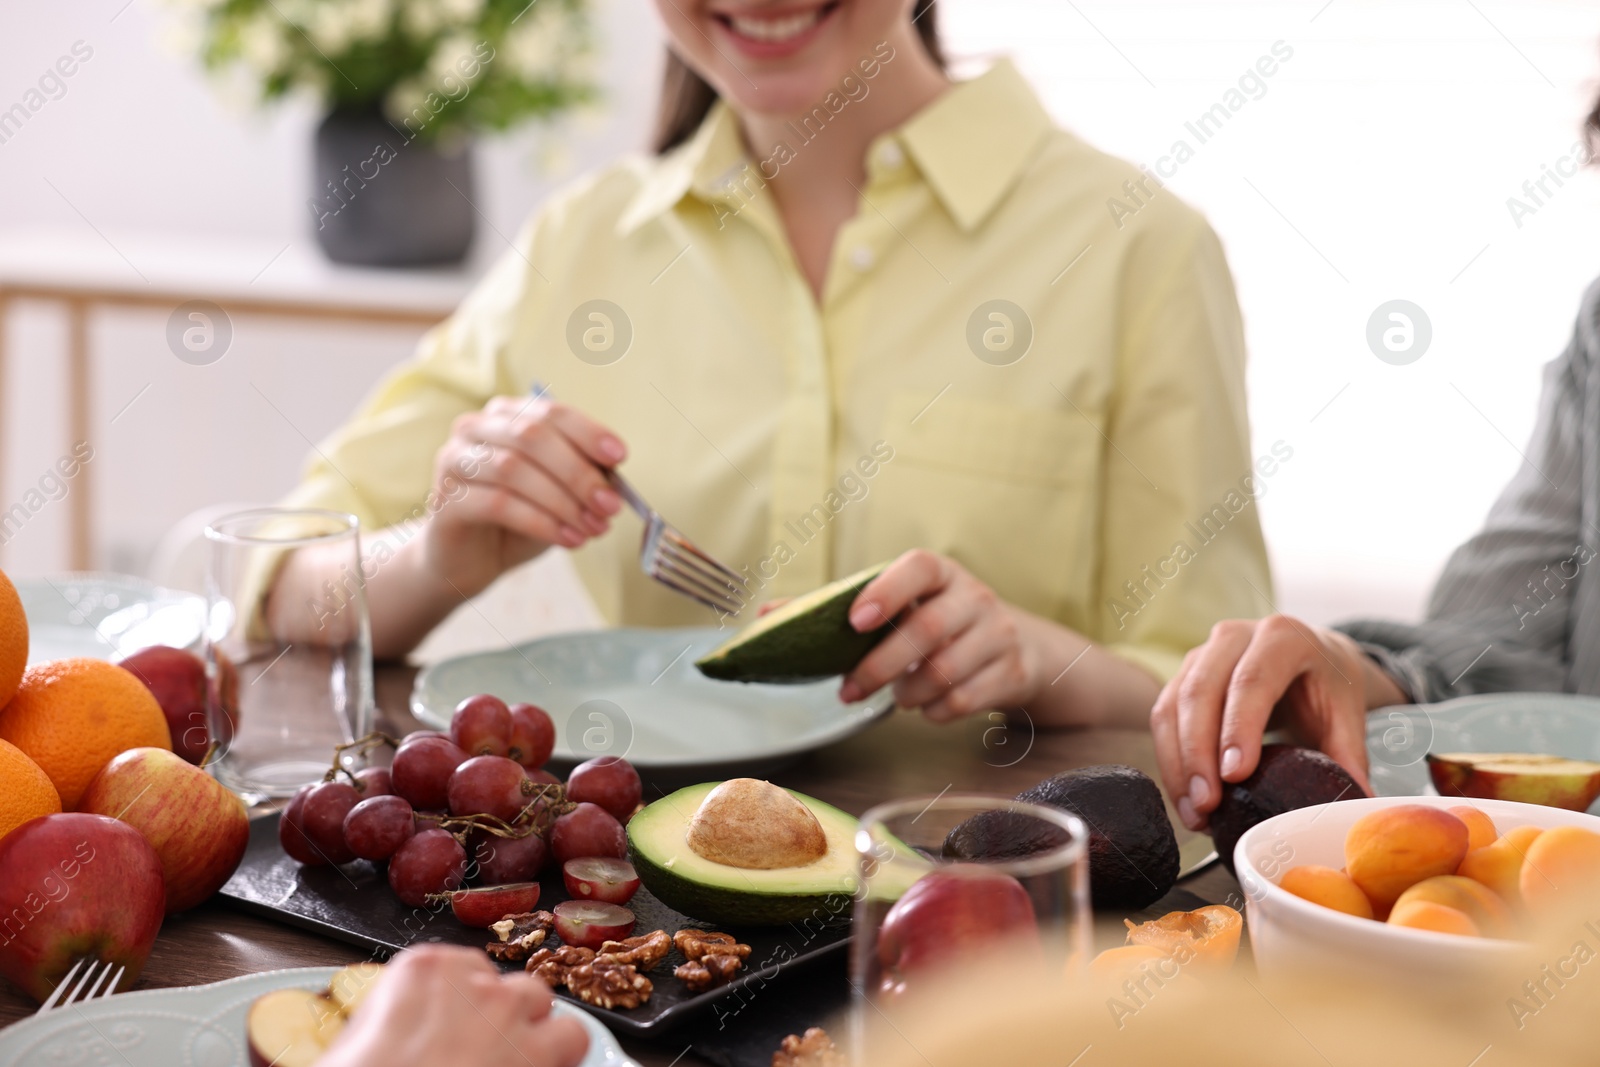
[
  {"x": 533, "y": 735},
  {"x": 291, "y": 835},
  {"x": 322, "y": 819},
  {"x": 489, "y": 904},
  {"x": 587, "y": 830},
  {"x": 601, "y": 878},
  {"x": 422, "y": 770},
  {"x": 539, "y": 774},
  {"x": 431, "y": 862},
  {"x": 418, "y": 735},
  {"x": 481, "y": 725},
  {"x": 590, "y": 924},
  {"x": 508, "y": 859},
  {"x": 487, "y": 785},
  {"x": 377, "y": 826},
  {"x": 375, "y": 782},
  {"x": 608, "y": 781}
]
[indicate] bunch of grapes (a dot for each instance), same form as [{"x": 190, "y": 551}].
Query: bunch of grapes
[{"x": 474, "y": 802}]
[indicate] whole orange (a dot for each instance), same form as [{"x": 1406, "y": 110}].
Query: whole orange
[
  {"x": 25, "y": 790},
  {"x": 13, "y": 639},
  {"x": 70, "y": 716}
]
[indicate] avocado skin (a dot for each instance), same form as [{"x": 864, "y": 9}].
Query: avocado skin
[
  {"x": 1133, "y": 852},
  {"x": 819, "y": 643},
  {"x": 730, "y": 907},
  {"x": 1288, "y": 777}
]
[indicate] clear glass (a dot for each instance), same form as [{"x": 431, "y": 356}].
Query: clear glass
[
  {"x": 920, "y": 916},
  {"x": 280, "y": 706}
]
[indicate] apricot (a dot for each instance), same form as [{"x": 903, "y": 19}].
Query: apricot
[
  {"x": 1522, "y": 837},
  {"x": 1562, "y": 865},
  {"x": 1207, "y": 936},
  {"x": 1328, "y": 887},
  {"x": 1498, "y": 866},
  {"x": 1480, "y": 828},
  {"x": 1390, "y": 850},
  {"x": 1426, "y": 915},
  {"x": 1115, "y": 965},
  {"x": 1473, "y": 899}
]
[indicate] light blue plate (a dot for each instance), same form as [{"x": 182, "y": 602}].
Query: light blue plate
[
  {"x": 1552, "y": 723},
  {"x": 636, "y": 693},
  {"x": 194, "y": 1026},
  {"x": 105, "y": 616}
]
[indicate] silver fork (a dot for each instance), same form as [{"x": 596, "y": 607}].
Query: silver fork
[
  {"x": 671, "y": 558},
  {"x": 97, "y": 979}
]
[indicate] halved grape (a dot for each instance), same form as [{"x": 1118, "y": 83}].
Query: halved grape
[
  {"x": 602, "y": 878},
  {"x": 590, "y": 924}
]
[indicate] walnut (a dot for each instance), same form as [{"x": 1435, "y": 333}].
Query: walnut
[
  {"x": 697, "y": 943},
  {"x": 519, "y": 935},
  {"x": 607, "y": 984},
  {"x": 708, "y": 971},
  {"x": 644, "y": 951},
  {"x": 816, "y": 1049},
  {"x": 553, "y": 965}
]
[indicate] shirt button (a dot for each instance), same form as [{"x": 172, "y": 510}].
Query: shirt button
[
  {"x": 889, "y": 156},
  {"x": 861, "y": 258}
]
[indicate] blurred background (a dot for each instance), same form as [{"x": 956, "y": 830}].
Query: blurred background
[{"x": 1377, "y": 164}]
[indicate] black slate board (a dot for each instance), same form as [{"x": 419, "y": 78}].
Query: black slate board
[{"x": 354, "y": 904}]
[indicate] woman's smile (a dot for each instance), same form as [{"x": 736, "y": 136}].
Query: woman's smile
[{"x": 773, "y": 33}]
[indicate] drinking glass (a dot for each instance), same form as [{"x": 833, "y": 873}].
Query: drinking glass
[
  {"x": 279, "y": 704},
  {"x": 923, "y": 918}
]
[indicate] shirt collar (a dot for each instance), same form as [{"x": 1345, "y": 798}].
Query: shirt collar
[{"x": 970, "y": 145}]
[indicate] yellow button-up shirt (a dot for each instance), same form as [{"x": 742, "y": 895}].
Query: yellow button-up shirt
[{"x": 1005, "y": 367}]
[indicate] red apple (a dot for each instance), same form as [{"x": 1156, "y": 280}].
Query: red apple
[
  {"x": 177, "y": 679},
  {"x": 590, "y": 924},
  {"x": 949, "y": 913},
  {"x": 197, "y": 827},
  {"x": 74, "y": 885}
]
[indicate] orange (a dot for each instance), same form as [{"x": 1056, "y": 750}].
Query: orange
[
  {"x": 13, "y": 639},
  {"x": 72, "y": 715},
  {"x": 25, "y": 790}
]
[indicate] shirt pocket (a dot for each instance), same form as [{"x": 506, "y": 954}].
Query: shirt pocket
[{"x": 1011, "y": 493}]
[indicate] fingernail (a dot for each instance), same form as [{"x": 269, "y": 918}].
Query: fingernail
[
  {"x": 1186, "y": 812},
  {"x": 606, "y": 501},
  {"x": 849, "y": 693},
  {"x": 1232, "y": 758},
  {"x": 569, "y": 537},
  {"x": 594, "y": 523},
  {"x": 611, "y": 450},
  {"x": 865, "y": 616},
  {"x": 1199, "y": 789}
]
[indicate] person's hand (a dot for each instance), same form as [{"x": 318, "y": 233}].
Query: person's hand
[
  {"x": 1208, "y": 721},
  {"x": 956, "y": 648},
  {"x": 513, "y": 479},
  {"x": 438, "y": 1004}
]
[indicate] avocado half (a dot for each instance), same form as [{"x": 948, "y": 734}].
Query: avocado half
[
  {"x": 805, "y": 640},
  {"x": 722, "y": 895}
]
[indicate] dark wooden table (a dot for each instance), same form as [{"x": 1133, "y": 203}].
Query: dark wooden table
[{"x": 900, "y": 756}]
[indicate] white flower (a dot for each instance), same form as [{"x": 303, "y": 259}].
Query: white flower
[
  {"x": 454, "y": 56},
  {"x": 262, "y": 45},
  {"x": 464, "y": 11},
  {"x": 422, "y": 18},
  {"x": 370, "y": 19},
  {"x": 332, "y": 27},
  {"x": 535, "y": 47}
]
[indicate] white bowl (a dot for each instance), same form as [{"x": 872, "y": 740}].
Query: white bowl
[{"x": 1291, "y": 935}]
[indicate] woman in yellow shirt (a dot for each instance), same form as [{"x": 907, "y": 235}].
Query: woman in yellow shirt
[{"x": 850, "y": 311}]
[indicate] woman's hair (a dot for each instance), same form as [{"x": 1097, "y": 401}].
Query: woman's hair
[
  {"x": 1591, "y": 132},
  {"x": 686, "y": 97}
]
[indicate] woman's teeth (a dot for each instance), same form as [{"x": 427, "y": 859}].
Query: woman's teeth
[{"x": 770, "y": 30}]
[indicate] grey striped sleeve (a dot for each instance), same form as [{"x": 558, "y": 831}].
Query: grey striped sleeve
[{"x": 1517, "y": 607}]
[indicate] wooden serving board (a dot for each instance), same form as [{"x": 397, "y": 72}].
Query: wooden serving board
[{"x": 353, "y": 903}]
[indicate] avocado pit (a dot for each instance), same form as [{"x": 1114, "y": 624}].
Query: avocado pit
[{"x": 755, "y": 825}]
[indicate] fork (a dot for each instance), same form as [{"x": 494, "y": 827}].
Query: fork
[
  {"x": 92, "y": 983},
  {"x": 672, "y": 559}
]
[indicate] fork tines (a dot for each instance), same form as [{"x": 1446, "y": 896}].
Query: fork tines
[
  {"x": 675, "y": 562},
  {"x": 97, "y": 979}
]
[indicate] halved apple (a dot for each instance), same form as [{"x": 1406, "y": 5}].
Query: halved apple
[
  {"x": 349, "y": 986},
  {"x": 1526, "y": 777},
  {"x": 291, "y": 1028}
]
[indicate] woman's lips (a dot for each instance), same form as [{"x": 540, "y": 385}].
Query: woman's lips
[{"x": 771, "y": 36}]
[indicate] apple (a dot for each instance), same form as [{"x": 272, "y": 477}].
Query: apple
[
  {"x": 1524, "y": 777},
  {"x": 197, "y": 827},
  {"x": 75, "y": 885},
  {"x": 177, "y": 679},
  {"x": 949, "y": 913},
  {"x": 294, "y": 1027}
]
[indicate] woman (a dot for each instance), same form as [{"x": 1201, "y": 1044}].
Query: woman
[
  {"x": 1517, "y": 608},
  {"x": 849, "y": 312}
]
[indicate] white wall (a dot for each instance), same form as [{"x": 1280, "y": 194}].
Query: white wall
[{"x": 1377, "y": 165}]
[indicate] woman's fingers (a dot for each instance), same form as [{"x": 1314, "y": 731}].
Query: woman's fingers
[
  {"x": 986, "y": 689},
  {"x": 573, "y": 483},
  {"x": 962, "y": 657},
  {"x": 917, "y": 636},
  {"x": 554, "y": 1042},
  {"x": 1282, "y": 651},
  {"x": 1198, "y": 720},
  {"x": 915, "y": 574},
  {"x": 494, "y": 505}
]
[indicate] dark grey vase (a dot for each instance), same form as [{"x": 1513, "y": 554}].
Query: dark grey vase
[{"x": 382, "y": 197}]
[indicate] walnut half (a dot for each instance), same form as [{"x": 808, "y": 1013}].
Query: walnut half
[
  {"x": 607, "y": 984},
  {"x": 554, "y": 965},
  {"x": 644, "y": 951},
  {"x": 519, "y": 935},
  {"x": 697, "y": 943},
  {"x": 815, "y": 1049},
  {"x": 708, "y": 971}
]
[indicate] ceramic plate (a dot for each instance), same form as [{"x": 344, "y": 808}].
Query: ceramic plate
[
  {"x": 194, "y": 1026},
  {"x": 1553, "y": 723},
  {"x": 636, "y": 693},
  {"x": 105, "y": 616}
]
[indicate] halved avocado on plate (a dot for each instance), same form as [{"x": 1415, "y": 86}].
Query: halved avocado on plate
[
  {"x": 724, "y": 895},
  {"x": 805, "y": 640}
]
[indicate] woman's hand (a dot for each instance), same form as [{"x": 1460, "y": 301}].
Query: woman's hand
[
  {"x": 443, "y": 1004},
  {"x": 956, "y": 648},
  {"x": 515, "y": 478},
  {"x": 1208, "y": 721}
]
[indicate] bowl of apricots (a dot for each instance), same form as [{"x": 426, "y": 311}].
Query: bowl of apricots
[{"x": 1410, "y": 887}]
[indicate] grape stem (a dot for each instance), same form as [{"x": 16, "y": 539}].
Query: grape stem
[{"x": 361, "y": 746}]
